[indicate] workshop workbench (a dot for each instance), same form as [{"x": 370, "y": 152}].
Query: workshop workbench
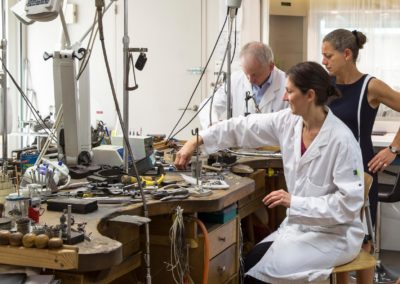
[{"x": 115, "y": 248}]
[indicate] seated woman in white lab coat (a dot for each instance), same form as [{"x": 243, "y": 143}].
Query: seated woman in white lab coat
[{"x": 324, "y": 176}]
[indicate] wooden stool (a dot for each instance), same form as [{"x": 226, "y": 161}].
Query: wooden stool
[{"x": 364, "y": 260}]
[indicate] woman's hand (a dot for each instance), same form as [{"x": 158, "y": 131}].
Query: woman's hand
[
  {"x": 184, "y": 155},
  {"x": 381, "y": 160},
  {"x": 278, "y": 197}
]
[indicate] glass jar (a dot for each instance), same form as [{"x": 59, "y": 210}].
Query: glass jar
[{"x": 16, "y": 206}]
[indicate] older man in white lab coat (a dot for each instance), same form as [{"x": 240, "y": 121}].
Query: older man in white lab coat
[
  {"x": 263, "y": 82},
  {"x": 324, "y": 177}
]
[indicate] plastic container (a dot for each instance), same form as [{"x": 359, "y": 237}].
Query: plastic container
[
  {"x": 16, "y": 206},
  {"x": 28, "y": 159}
]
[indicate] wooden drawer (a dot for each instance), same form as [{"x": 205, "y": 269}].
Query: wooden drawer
[
  {"x": 223, "y": 266},
  {"x": 222, "y": 237}
]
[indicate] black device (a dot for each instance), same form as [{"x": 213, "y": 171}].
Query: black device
[
  {"x": 80, "y": 206},
  {"x": 141, "y": 61}
]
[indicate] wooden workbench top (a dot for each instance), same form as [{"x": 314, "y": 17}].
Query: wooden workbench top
[{"x": 103, "y": 252}]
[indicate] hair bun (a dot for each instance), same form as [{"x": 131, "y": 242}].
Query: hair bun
[{"x": 332, "y": 91}]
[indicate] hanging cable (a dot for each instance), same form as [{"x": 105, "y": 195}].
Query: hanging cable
[
  {"x": 210, "y": 98},
  {"x": 234, "y": 45},
  {"x": 179, "y": 262},
  {"x": 89, "y": 48},
  {"x": 170, "y": 136},
  {"x": 99, "y": 6},
  {"x": 37, "y": 117},
  {"x": 216, "y": 82}
]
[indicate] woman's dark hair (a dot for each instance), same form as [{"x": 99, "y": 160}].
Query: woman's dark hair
[
  {"x": 311, "y": 75},
  {"x": 341, "y": 39}
]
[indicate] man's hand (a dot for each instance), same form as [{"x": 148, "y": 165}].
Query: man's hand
[
  {"x": 381, "y": 160},
  {"x": 184, "y": 155},
  {"x": 278, "y": 197}
]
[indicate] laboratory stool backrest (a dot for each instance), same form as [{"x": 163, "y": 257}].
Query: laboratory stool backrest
[
  {"x": 389, "y": 193},
  {"x": 368, "y": 179}
]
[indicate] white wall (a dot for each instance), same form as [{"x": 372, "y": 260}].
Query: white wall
[
  {"x": 157, "y": 26},
  {"x": 147, "y": 20},
  {"x": 43, "y": 37},
  {"x": 13, "y": 98}
]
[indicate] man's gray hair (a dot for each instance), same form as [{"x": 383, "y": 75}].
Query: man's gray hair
[{"x": 261, "y": 52}]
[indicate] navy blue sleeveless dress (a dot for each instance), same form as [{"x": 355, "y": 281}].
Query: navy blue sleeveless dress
[{"x": 346, "y": 108}]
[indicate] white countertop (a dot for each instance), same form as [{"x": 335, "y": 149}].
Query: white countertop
[
  {"x": 387, "y": 125},
  {"x": 382, "y": 140}
]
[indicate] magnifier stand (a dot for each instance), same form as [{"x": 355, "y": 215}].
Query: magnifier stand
[{"x": 199, "y": 190}]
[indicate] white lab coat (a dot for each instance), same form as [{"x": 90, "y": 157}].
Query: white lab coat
[
  {"x": 271, "y": 101},
  {"x": 323, "y": 227}
]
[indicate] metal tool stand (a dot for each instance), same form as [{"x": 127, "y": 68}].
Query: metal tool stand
[
  {"x": 199, "y": 188},
  {"x": 124, "y": 126},
  {"x": 232, "y": 15},
  {"x": 4, "y": 80}
]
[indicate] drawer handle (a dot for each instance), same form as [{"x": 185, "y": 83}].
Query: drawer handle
[
  {"x": 222, "y": 239},
  {"x": 221, "y": 269}
]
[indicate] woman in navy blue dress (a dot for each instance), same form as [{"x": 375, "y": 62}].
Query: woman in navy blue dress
[{"x": 361, "y": 97}]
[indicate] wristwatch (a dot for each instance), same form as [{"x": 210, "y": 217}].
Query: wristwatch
[{"x": 394, "y": 150}]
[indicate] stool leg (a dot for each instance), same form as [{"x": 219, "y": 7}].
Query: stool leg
[
  {"x": 369, "y": 223},
  {"x": 366, "y": 276},
  {"x": 332, "y": 278},
  {"x": 378, "y": 233},
  {"x": 380, "y": 274},
  {"x": 342, "y": 277}
]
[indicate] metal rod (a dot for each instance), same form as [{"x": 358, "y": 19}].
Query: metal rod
[
  {"x": 99, "y": 5},
  {"x": 228, "y": 66},
  {"x": 95, "y": 23},
  {"x": 197, "y": 158},
  {"x": 69, "y": 221},
  {"x": 125, "y": 93},
  {"x": 65, "y": 29},
  {"x": 4, "y": 81},
  {"x": 53, "y": 133}
]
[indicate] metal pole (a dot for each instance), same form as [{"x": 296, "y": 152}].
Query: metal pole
[
  {"x": 126, "y": 140},
  {"x": 125, "y": 42},
  {"x": 228, "y": 66},
  {"x": 4, "y": 80}
]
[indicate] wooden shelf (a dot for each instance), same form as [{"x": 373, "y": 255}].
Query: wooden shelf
[{"x": 61, "y": 259}]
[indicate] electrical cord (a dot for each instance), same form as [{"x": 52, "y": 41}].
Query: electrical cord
[
  {"x": 170, "y": 136},
  {"x": 234, "y": 45},
  {"x": 210, "y": 98},
  {"x": 179, "y": 263},
  {"x": 220, "y": 70},
  {"x": 37, "y": 117},
  {"x": 89, "y": 48},
  {"x": 91, "y": 41},
  {"x": 99, "y": 6},
  {"x": 206, "y": 248}
]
